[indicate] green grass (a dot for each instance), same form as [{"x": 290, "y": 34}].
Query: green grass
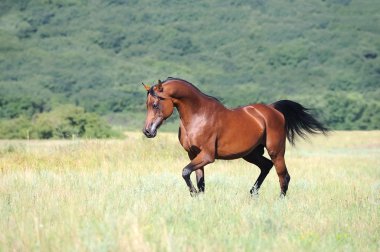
[{"x": 128, "y": 195}]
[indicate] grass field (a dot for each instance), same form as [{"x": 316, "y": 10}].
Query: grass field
[{"x": 128, "y": 195}]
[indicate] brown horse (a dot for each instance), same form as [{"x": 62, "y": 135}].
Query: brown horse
[{"x": 210, "y": 131}]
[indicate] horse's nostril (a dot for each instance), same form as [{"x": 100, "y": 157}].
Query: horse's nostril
[{"x": 148, "y": 134}]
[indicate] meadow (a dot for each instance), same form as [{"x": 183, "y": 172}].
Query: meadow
[{"x": 128, "y": 195}]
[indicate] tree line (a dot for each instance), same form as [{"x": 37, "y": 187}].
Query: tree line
[{"x": 94, "y": 55}]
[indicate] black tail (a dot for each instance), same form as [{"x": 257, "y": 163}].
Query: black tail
[{"x": 298, "y": 120}]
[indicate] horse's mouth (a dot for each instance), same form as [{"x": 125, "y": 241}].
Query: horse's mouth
[
  {"x": 152, "y": 130},
  {"x": 149, "y": 134}
]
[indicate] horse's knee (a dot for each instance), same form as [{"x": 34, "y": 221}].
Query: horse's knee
[
  {"x": 276, "y": 152},
  {"x": 186, "y": 172},
  {"x": 273, "y": 155}
]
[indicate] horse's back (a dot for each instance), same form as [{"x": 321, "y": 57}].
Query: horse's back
[{"x": 272, "y": 117}]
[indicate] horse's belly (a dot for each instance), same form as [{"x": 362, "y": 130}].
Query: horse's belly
[
  {"x": 237, "y": 147},
  {"x": 244, "y": 133}
]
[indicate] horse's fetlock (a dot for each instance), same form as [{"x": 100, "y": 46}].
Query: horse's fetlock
[{"x": 287, "y": 178}]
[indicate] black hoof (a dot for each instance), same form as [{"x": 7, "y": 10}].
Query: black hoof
[
  {"x": 193, "y": 193},
  {"x": 254, "y": 191}
]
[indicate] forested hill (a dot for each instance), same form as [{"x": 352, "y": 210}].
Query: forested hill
[{"x": 95, "y": 54}]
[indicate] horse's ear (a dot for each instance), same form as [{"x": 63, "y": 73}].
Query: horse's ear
[
  {"x": 146, "y": 87},
  {"x": 159, "y": 86}
]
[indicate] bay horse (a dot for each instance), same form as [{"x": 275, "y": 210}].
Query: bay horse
[{"x": 208, "y": 130}]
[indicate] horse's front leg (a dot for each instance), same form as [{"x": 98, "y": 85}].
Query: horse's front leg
[
  {"x": 196, "y": 165},
  {"x": 186, "y": 172},
  {"x": 200, "y": 179}
]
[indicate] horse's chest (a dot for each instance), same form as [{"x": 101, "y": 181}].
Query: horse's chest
[
  {"x": 190, "y": 140},
  {"x": 187, "y": 143},
  {"x": 183, "y": 138}
]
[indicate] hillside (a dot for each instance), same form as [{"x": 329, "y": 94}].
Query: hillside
[{"x": 94, "y": 54}]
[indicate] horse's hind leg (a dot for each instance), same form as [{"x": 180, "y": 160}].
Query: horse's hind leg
[
  {"x": 256, "y": 157},
  {"x": 278, "y": 160},
  {"x": 283, "y": 175}
]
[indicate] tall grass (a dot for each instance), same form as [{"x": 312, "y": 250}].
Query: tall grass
[{"x": 128, "y": 195}]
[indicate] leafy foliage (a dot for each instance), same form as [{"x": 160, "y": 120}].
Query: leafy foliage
[
  {"x": 94, "y": 54},
  {"x": 18, "y": 128},
  {"x": 66, "y": 121}
]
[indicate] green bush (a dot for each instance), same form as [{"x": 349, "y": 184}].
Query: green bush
[
  {"x": 18, "y": 128},
  {"x": 64, "y": 122},
  {"x": 69, "y": 121}
]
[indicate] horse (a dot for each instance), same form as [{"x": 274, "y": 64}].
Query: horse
[{"x": 208, "y": 130}]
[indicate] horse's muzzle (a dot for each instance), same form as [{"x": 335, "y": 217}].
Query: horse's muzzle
[{"x": 149, "y": 134}]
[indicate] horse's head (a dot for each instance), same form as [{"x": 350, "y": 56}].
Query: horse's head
[{"x": 159, "y": 108}]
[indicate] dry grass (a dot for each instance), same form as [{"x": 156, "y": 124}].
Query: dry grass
[{"x": 128, "y": 195}]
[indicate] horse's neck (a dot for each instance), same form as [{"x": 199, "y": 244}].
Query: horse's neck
[{"x": 191, "y": 103}]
